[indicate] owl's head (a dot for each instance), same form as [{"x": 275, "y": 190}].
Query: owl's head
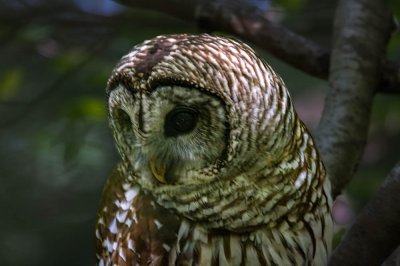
[{"x": 195, "y": 108}]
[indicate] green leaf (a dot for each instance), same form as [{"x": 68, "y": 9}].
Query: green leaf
[
  {"x": 9, "y": 82},
  {"x": 87, "y": 107},
  {"x": 394, "y": 6},
  {"x": 393, "y": 49},
  {"x": 34, "y": 33},
  {"x": 290, "y": 4},
  {"x": 68, "y": 60}
]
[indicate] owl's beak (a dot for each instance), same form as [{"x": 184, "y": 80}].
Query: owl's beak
[{"x": 158, "y": 170}]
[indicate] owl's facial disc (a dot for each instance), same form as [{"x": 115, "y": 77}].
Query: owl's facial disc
[
  {"x": 179, "y": 121},
  {"x": 184, "y": 131},
  {"x": 171, "y": 135}
]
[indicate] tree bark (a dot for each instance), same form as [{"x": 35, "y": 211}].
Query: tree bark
[
  {"x": 376, "y": 231},
  {"x": 360, "y": 38}
]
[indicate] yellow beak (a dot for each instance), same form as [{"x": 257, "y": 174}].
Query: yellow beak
[{"x": 158, "y": 170}]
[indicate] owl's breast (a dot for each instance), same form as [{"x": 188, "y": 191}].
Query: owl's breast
[{"x": 133, "y": 229}]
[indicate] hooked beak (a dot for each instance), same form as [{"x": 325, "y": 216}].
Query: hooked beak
[{"x": 158, "y": 169}]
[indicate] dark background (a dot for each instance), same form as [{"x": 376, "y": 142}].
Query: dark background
[{"x": 56, "y": 149}]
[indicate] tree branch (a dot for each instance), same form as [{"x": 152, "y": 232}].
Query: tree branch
[
  {"x": 361, "y": 32},
  {"x": 394, "y": 258},
  {"x": 245, "y": 21},
  {"x": 376, "y": 231}
]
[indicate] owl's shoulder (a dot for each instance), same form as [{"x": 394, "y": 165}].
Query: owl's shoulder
[
  {"x": 114, "y": 180},
  {"x": 131, "y": 226}
]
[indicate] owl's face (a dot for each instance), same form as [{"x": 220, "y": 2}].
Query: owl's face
[
  {"x": 202, "y": 121},
  {"x": 184, "y": 104},
  {"x": 173, "y": 132}
]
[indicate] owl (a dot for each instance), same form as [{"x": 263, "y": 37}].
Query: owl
[{"x": 216, "y": 169}]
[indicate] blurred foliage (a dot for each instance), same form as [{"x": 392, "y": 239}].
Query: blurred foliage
[
  {"x": 394, "y": 6},
  {"x": 393, "y": 47},
  {"x": 86, "y": 108},
  {"x": 55, "y": 144},
  {"x": 289, "y": 4},
  {"x": 10, "y": 80}
]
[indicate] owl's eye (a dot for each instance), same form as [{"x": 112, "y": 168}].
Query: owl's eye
[{"x": 180, "y": 120}]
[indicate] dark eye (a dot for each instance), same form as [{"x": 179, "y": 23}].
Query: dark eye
[{"x": 179, "y": 121}]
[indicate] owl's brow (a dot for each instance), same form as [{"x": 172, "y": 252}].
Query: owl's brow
[{"x": 154, "y": 55}]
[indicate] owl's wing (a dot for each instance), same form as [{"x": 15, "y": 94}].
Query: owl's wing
[{"x": 131, "y": 228}]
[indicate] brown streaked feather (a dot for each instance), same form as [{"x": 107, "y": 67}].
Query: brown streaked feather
[{"x": 152, "y": 228}]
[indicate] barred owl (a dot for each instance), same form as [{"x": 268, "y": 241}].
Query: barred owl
[{"x": 217, "y": 168}]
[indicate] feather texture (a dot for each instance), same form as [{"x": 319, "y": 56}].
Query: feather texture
[{"x": 242, "y": 185}]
